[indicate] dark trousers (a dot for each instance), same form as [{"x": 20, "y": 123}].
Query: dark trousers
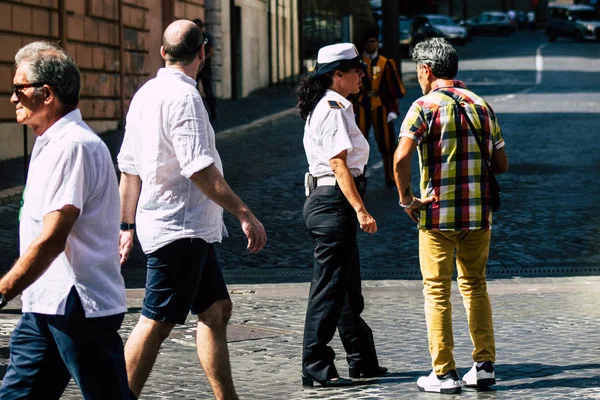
[
  {"x": 47, "y": 350},
  {"x": 211, "y": 101},
  {"x": 335, "y": 298}
]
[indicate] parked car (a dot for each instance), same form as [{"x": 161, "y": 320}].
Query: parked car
[
  {"x": 494, "y": 22},
  {"x": 433, "y": 25},
  {"x": 405, "y": 34},
  {"x": 572, "y": 21},
  {"x": 404, "y": 25}
]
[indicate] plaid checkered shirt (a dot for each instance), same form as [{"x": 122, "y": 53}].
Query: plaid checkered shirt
[{"x": 450, "y": 159}]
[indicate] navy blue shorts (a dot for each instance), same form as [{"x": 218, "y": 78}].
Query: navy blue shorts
[
  {"x": 182, "y": 276},
  {"x": 47, "y": 350}
]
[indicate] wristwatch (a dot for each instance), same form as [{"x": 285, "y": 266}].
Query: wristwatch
[
  {"x": 3, "y": 301},
  {"x": 127, "y": 227}
]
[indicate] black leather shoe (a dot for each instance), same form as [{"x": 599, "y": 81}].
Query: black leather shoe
[
  {"x": 357, "y": 372},
  {"x": 336, "y": 382}
]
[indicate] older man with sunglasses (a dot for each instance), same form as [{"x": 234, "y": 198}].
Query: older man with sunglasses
[{"x": 73, "y": 292}]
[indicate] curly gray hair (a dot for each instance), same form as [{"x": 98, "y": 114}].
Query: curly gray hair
[
  {"x": 441, "y": 57},
  {"x": 49, "y": 64}
]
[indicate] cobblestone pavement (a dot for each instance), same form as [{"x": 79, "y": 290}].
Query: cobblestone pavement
[
  {"x": 546, "y": 334},
  {"x": 546, "y": 327}
]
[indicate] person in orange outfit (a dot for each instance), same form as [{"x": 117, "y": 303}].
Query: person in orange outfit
[{"x": 377, "y": 103}]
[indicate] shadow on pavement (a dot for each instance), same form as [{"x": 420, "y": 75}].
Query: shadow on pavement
[{"x": 508, "y": 372}]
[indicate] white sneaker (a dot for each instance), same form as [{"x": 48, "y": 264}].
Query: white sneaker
[
  {"x": 483, "y": 376},
  {"x": 449, "y": 383}
]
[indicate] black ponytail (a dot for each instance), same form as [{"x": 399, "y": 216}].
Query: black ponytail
[{"x": 310, "y": 90}]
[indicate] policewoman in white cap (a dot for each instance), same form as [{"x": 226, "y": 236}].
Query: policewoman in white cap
[{"x": 337, "y": 153}]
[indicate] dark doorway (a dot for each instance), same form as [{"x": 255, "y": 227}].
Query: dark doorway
[{"x": 236, "y": 51}]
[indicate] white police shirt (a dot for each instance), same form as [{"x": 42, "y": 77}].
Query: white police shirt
[
  {"x": 70, "y": 165},
  {"x": 331, "y": 129},
  {"x": 167, "y": 139}
]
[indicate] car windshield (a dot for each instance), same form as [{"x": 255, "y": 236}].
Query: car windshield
[
  {"x": 441, "y": 21},
  {"x": 584, "y": 15}
]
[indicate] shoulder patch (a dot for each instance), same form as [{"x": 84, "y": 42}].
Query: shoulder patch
[{"x": 334, "y": 104}]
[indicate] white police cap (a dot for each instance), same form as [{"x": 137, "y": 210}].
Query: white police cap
[{"x": 337, "y": 56}]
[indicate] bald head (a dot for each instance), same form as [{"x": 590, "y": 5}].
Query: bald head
[{"x": 181, "y": 42}]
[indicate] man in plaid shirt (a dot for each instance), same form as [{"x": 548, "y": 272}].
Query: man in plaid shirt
[{"x": 454, "y": 211}]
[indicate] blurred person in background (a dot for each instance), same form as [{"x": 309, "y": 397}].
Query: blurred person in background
[
  {"x": 205, "y": 76},
  {"x": 377, "y": 103}
]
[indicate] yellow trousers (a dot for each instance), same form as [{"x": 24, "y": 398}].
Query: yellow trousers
[{"x": 436, "y": 254}]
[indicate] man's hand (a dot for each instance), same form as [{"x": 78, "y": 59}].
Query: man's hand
[
  {"x": 125, "y": 245},
  {"x": 413, "y": 211},
  {"x": 366, "y": 221},
  {"x": 211, "y": 182},
  {"x": 41, "y": 252},
  {"x": 255, "y": 232}
]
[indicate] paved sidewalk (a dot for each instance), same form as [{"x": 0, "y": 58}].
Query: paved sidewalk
[{"x": 546, "y": 336}]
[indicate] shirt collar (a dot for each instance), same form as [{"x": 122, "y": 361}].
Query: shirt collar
[
  {"x": 62, "y": 126},
  {"x": 447, "y": 84},
  {"x": 333, "y": 95},
  {"x": 176, "y": 73},
  {"x": 371, "y": 56}
]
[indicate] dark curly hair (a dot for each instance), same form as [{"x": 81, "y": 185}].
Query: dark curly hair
[
  {"x": 312, "y": 87},
  {"x": 310, "y": 90}
]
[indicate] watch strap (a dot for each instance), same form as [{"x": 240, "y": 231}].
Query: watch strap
[
  {"x": 127, "y": 227},
  {"x": 3, "y": 301}
]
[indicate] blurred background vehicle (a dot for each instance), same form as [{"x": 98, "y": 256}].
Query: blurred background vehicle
[
  {"x": 491, "y": 22},
  {"x": 426, "y": 26},
  {"x": 578, "y": 22},
  {"x": 405, "y": 35}
]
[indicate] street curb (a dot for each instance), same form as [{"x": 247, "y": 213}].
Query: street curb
[
  {"x": 269, "y": 119},
  {"x": 10, "y": 195}
]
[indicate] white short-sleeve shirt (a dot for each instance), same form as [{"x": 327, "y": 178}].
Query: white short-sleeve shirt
[
  {"x": 168, "y": 138},
  {"x": 70, "y": 165},
  {"x": 331, "y": 129}
]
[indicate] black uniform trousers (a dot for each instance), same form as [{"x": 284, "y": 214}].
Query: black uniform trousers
[{"x": 335, "y": 298}]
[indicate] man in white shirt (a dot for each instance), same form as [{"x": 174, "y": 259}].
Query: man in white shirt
[
  {"x": 172, "y": 186},
  {"x": 73, "y": 292}
]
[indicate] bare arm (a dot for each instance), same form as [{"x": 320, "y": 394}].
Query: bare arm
[
  {"x": 346, "y": 182},
  {"x": 41, "y": 252},
  {"x": 499, "y": 161},
  {"x": 210, "y": 181},
  {"x": 402, "y": 175},
  {"x": 129, "y": 191}
]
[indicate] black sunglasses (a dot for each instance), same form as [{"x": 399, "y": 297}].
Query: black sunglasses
[
  {"x": 203, "y": 43},
  {"x": 19, "y": 87}
]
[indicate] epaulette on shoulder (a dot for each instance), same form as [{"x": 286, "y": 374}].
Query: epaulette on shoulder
[{"x": 334, "y": 104}]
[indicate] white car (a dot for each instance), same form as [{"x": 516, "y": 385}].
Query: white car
[{"x": 435, "y": 25}]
